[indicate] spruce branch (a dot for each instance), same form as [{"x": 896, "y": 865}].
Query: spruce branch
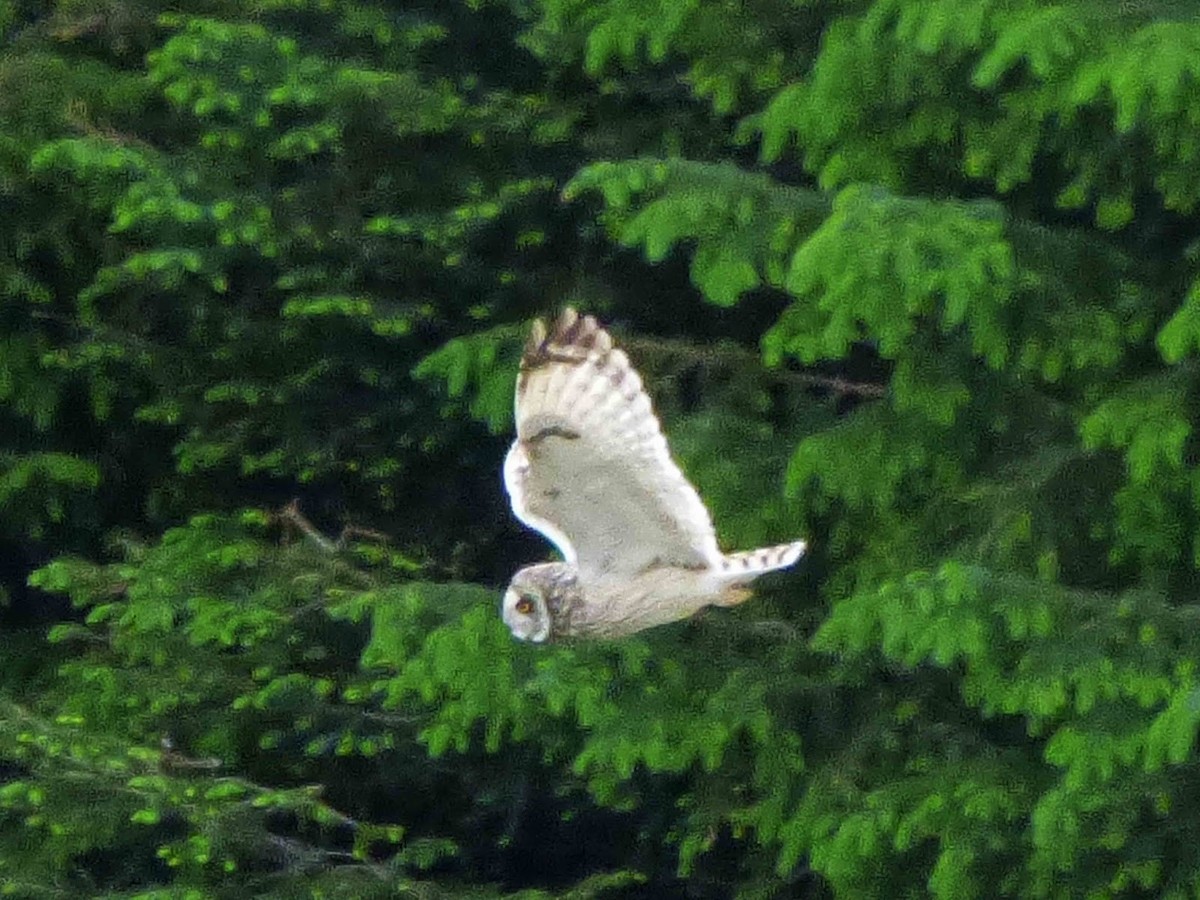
[{"x": 734, "y": 356}]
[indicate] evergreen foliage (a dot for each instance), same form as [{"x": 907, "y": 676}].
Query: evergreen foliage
[{"x": 288, "y": 249}]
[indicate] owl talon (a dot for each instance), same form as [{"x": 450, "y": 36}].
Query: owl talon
[{"x": 734, "y": 597}]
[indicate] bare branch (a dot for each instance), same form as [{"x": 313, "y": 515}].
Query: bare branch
[
  {"x": 734, "y": 355},
  {"x": 291, "y": 514}
]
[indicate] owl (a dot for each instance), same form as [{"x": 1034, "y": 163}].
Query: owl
[{"x": 590, "y": 470}]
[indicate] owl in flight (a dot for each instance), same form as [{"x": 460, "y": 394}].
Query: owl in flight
[{"x": 591, "y": 471}]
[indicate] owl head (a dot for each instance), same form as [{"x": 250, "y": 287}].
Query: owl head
[{"x": 539, "y": 600}]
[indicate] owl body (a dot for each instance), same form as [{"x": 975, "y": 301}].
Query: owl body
[
  {"x": 590, "y": 469},
  {"x": 608, "y": 607}
]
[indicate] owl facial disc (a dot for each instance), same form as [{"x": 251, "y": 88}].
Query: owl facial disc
[{"x": 525, "y": 614}]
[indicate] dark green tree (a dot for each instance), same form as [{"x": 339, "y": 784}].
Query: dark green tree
[{"x": 289, "y": 249}]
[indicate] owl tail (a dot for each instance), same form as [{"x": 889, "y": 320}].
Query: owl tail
[{"x": 740, "y": 568}]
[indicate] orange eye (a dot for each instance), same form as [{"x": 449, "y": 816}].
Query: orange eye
[{"x": 524, "y": 606}]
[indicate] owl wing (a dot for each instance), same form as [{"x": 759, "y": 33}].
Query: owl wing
[{"x": 590, "y": 468}]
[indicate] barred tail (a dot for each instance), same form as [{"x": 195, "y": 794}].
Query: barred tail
[{"x": 748, "y": 565}]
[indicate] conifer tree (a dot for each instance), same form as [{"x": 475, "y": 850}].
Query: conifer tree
[{"x": 916, "y": 279}]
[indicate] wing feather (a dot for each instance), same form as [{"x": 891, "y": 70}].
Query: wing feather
[{"x": 590, "y": 467}]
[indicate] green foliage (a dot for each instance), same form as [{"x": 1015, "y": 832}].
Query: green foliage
[
  {"x": 482, "y": 367},
  {"x": 948, "y": 262},
  {"x": 1018, "y": 355},
  {"x": 1182, "y": 330},
  {"x": 290, "y": 248},
  {"x": 744, "y": 226},
  {"x": 216, "y": 639},
  {"x": 35, "y": 488}
]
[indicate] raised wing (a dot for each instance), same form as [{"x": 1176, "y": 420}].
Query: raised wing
[{"x": 590, "y": 468}]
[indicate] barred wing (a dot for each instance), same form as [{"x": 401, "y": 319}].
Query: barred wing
[{"x": 590, "y": 468}]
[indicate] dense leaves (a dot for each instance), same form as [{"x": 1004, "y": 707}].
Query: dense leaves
[{"x": 915, "y": 280}]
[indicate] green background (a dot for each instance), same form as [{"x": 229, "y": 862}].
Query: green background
[{"x": 917, "y": 280}]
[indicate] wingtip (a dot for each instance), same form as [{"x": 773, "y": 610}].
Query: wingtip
[
  {"x": 537, "y": 337},
  {"x": 571, "y": 338},
  {"x": 566, "y": 320},
  {"x": 571, "y": 331}
]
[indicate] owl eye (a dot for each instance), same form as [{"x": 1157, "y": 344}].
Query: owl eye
[{"x": 524, "y": 606}]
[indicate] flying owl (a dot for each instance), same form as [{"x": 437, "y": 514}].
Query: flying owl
[{"x": 591, "y": 471}]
